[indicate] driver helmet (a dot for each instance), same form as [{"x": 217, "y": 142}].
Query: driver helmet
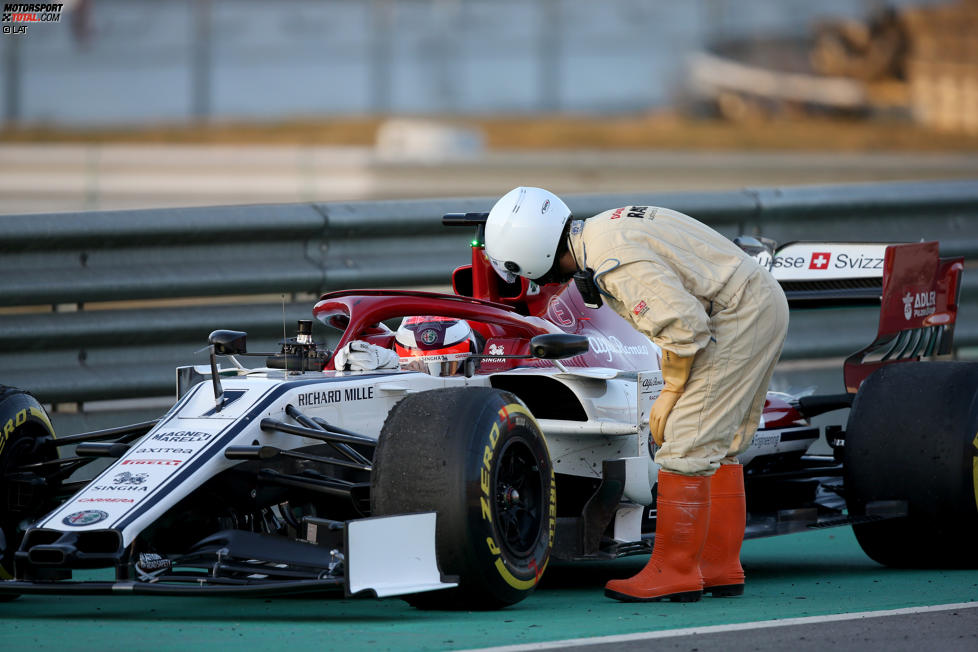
[
  {"x": 523, "y": 231},
  {"x": 434, "y": 345}
]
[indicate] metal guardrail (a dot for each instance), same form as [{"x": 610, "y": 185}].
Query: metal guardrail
[{"x": 214, "y": 262}]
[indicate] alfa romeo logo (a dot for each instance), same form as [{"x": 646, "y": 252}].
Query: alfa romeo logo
[
  {"x": 86, "y": 517},
  {"x": 428, "y": 336}
]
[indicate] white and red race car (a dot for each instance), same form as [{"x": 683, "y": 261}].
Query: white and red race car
[{"x": 456, "y": 491}]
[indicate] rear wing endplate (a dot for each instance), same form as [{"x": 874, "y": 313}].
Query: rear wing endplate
[{"x": 915, "y": 289}]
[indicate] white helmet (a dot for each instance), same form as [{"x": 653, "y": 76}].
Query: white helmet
[{"x": 523, "y": 231}]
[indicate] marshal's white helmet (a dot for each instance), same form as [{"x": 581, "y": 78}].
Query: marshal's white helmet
[{"x": 523, "y": 231}]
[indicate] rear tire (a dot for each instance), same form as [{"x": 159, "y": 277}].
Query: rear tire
[
  {"x": 911, "y": 436},
  {"x": 476, "y": 457}
]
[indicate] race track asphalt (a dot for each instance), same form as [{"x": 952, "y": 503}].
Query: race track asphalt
[{"x": 802, "y": 576}]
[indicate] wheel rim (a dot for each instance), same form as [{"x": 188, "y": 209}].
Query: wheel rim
[{"x": 519, "y": 504}]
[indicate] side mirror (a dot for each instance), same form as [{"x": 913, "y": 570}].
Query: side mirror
[
  {"x": 554, "y": 346},
  {"x": 228, "y": 342}
]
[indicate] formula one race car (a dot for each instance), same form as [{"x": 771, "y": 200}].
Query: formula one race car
[{"x": 454, "y": 488}]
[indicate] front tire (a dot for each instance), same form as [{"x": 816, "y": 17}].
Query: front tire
[
  {"x": 911, "y": 436},
  {"x": 24, "y": 425},
  {"x": 477, "y": 457}
]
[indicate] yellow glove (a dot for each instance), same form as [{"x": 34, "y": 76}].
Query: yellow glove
[{"x": 675, "y": 372}]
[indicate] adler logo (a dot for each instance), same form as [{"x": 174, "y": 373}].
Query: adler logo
[{"x": 919, "y": 304}]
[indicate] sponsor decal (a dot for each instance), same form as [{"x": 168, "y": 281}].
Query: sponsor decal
[
  {"x": 124, "y": 481},
  {"x": 919, "y": 304},
  {"x": 122, "y": 487},
  {"x": 559, "y": 313},
  {"x": 149, "y": 561},
  {"x": 764, "y": 441},
  {"x": 640, "y": 308},
  {"x": 508, "y": 416},
  {"x": 640, "y": 212},
  {"x": 485, "y": 473},
  {"x": 130, "y": 478},
  {"x": 15, "y": 421},
  {"x": 820, "y": 260},
  {"x": 166, "y": 451},
  {"x": 183, "y": 436},
  {"x": 577, "y": 226},
  {"x": 152, "y": 462},
  {"x": 828, "y": 260},
  {"x": 429, "y": 336},
  {"x": 335, "y": 396},
  {"x": 106, "y": 500},
  {"x": 845, "y": 261},
  {"x": 150, "y": 566},
  {"x": 440, "y": 357},
  {"x": 545, "y": 207},
  {"x": 789, "y": 262},
  {"x": 320, "y": 398},
  {"x": 612, "y": 345},
  {"x": 649, "y": 383},
  {"x": 86, "y": 517},
  {"x": 494, "y": 349}
]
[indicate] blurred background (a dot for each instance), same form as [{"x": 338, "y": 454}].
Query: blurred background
[
  {"x": 152, "y": 103},
  {"x": 129, "y": 104}
]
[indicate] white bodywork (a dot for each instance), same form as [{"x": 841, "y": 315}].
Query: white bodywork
[{"x": 186, "y": 447}]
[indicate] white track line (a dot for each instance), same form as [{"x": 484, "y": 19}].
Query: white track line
[{"x": 713, "y": 629}]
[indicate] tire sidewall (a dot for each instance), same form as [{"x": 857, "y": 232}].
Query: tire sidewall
[
  {"x": 505, "y": 422},
  {"x": 911, "y": 436},
  {"x": 21, "y": 416}
]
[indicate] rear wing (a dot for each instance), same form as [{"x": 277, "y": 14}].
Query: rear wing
[
  {"x": 815, "y": 274},
  {"x": 916, "y": 290}
]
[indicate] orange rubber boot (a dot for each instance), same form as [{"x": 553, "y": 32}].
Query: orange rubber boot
[
  {"x": 723, "y": 576},
  {"x": 673, "y": 573}
]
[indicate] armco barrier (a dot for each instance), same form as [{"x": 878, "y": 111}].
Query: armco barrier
[{"x": 82, "y": 316}]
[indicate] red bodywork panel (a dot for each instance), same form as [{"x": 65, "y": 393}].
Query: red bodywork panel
[
  {"x": 780, "y": 413},
  {"x": 919, "y": 307}
]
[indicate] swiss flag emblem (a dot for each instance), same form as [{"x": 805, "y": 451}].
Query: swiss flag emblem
[{"x": 820, "y": 260}]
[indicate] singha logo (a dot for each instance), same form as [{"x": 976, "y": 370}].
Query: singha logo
[
  {"x": 908, "y": 305},
  {"x": 130, "y": 478}
]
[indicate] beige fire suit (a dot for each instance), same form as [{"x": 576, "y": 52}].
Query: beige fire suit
[{"x": 695, "y": 293}]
